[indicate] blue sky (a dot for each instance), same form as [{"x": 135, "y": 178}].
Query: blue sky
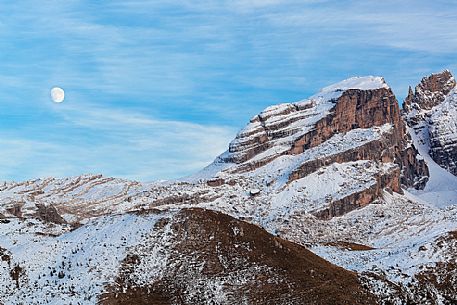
[{"x": 157, "y": 89}]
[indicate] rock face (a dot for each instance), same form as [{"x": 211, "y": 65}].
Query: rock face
[
  {"x": 366, "y": 109},
  {"x": 338, "y": 207},
  {"x": 49, "y": 214},
  {"x": 430, "y": 92},
  {"x": 354, "y": 109},
  {"x": 431, "y": 111},
  {"x": 352, "y": 106}
]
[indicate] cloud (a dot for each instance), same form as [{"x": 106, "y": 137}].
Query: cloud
[
  {"x": 116, "y": 143},
  {"x": 408, "y": 25},
  {"x": 156, "y": 89}
]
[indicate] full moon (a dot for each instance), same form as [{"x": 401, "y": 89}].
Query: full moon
[{"x": 57, "y": 95}]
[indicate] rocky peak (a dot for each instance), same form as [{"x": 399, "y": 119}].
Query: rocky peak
[
  {"x": 408, "y": 100},
  {"x": 355, "y": 108},
  {"x": 355, "y": 104},
  {"x": 430, "y": 92},
  {"x": 431, "y": 112},
  {"x": 356, "y": 120},
  {"x": 282, "y": 128}
]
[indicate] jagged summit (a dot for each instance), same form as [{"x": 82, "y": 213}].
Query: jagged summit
[
  {"x": 430, "y": 92},
  {"x": 431, "y": 113}
]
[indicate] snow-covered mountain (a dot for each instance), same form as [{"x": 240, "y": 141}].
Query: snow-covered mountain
[
  {"x": 345, "y": 174},
  {"x": 431, "y": 114}
]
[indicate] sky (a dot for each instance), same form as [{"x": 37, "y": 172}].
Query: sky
[{"x": 157, "y": 89}]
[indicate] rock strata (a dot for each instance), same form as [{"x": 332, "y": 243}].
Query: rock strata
[{"x": 298, "y": 129}]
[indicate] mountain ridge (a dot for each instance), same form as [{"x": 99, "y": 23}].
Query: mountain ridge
[{"x": 345, "y": 174}]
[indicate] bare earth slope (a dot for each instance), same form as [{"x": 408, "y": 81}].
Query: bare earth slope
[{"x": 211, "y": 256}]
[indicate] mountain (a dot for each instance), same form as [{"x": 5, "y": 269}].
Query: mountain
[
  {"x": 431, "y": 113},
  {"x": 341, "y": 198},
  {"x": 199, "y": 255}
]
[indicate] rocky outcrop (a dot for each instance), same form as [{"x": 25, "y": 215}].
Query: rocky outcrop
[
  {"x": 430, "y": 92},
  {"x": 374, "y": 150},
  {"x": 354, "y": 109},
  {"x": 276, "y": 128},
  {"x": 48, "y": 213},
  {"x": 414, "y": 171},
  {"x": 389, "y": 181},
  {"x": 15, "y": 209},
  {"x": 431, "y": 111},
  {"x": 292, "y": 129},
  {"x": 365, "y": 109}
]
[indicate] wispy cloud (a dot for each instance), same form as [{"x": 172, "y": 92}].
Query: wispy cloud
[
  {"x": 116, "y": 143},
  {"x": 158, "y": 88},
  {"x": 408, "y": 25}
]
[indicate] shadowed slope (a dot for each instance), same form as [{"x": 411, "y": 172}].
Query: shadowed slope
[{"x": 213, "y": 258}]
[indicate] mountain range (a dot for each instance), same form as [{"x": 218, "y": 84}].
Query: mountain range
[{"x": 342, "y": 198}]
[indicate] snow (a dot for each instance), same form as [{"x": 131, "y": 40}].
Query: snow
[
  {"x": 296, "y": 123},
  {"x": 361, "y": 83},
  {"x": 284, "y": 165},
  {"x": 405, "y": 239},
  {"x": 276, "y": 110},
  {"x": 440, "y": 124},
  {"x": 254, "y": 192},
  {"x": 441, "y": 188},
  {"x": 444, "y": 118},
  {"x": 340, "y": 180},
  {"x": 209, "y": 171},
  {"x": 89, "y": 258}
]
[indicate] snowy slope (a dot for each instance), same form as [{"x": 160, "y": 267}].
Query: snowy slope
[
  {"x": 72, "y": 268},
  {"x": 118, "y": 234},
  {"x": 441, "y": 189},
  {"x": 361, "y": 83},
  {"x": 432, "y": 119}
]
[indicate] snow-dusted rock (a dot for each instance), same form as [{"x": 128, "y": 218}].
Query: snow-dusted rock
[
  {"x": 338, "y": 173},
  {"x": 432, "y": 112}
]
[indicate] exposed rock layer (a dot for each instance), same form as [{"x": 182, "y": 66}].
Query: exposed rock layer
[
  {"x": 294, "y": 129},
  {"x": 354, "y": 109},
  {"x": 389, "y": 182}
]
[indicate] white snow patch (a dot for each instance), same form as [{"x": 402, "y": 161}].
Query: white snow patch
[
  {"x": 441, "y": 189},
  {"x": 362, "y": 83}
]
